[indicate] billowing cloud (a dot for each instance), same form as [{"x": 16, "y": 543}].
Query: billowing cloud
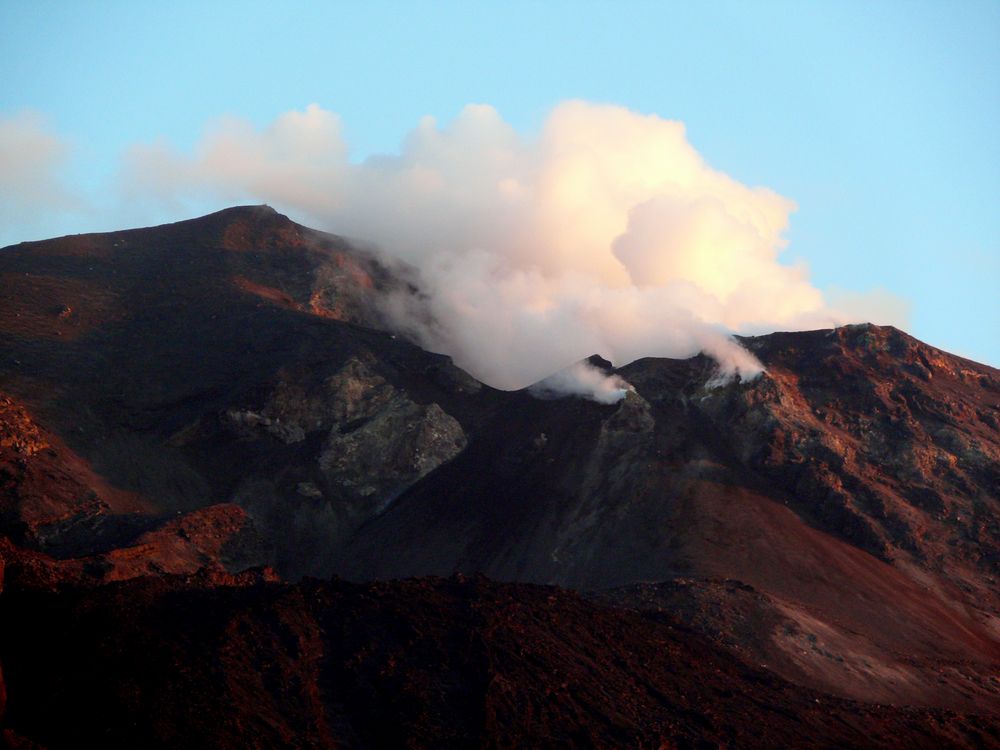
[
  {"x": 607, "y": 233},
  {"x": 297, "y": 162},
  {"x": 31, "y": 161}
]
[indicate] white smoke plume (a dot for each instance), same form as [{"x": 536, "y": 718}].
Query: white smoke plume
[
  {"x": 607, "y": 233},
  {"x": 582, "y": 379}
]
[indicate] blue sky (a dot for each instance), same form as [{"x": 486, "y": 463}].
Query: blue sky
[{"x": 881, "y": 121}]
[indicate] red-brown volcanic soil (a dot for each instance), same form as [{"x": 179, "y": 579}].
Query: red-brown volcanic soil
[
  {"x": 430, "y": 663},
  {"x": 195, "y": 416}
]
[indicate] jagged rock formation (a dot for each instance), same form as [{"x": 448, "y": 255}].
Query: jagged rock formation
[{"x": 365, "y": 442}]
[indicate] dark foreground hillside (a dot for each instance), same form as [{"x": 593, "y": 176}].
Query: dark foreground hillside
[{"x": 240, "y": 662}]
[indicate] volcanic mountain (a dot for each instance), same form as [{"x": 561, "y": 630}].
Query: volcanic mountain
[{"x": 201, "y": 423}]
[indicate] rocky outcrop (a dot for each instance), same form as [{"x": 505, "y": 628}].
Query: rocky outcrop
[
  {"x": 390, "y": 451},
  {"x": 372, "y": 442},
  {"x": 880, "y": 439}
]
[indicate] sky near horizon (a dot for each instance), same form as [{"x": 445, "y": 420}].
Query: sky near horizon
[{"x": 881, "y": 121}]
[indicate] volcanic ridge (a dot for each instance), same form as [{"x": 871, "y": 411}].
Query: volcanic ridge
[{"x": 238, "y": 510}]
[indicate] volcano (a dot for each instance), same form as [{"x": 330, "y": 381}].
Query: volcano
[{"x": 238, "y": 510}]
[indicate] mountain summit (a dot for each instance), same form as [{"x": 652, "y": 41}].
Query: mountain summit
[{"x": 198, "y": 419}]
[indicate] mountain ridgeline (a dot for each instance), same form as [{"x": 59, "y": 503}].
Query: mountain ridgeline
[{"x": 214, "y": 453}]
